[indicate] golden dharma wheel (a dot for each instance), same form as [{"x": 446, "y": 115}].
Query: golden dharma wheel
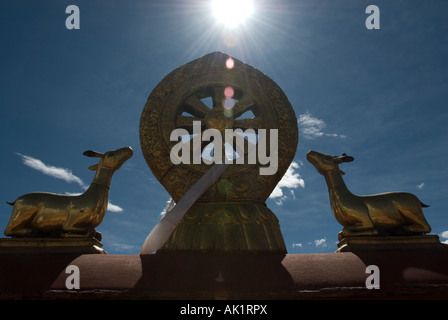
[{"x": 219, "y": 92}]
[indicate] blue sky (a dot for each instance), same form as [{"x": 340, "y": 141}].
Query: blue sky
[{"x": 377, "y": 95}]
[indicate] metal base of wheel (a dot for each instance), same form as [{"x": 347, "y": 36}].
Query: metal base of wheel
[{"x": 227, "y": 228}]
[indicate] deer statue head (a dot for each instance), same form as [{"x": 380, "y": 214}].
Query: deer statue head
[
  {"x": 325, "y": 163},
  {"x": 112, "y": 160}
]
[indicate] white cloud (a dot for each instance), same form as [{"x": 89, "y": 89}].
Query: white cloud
[
  {"x": 113, "y": 207},
  {"x": 297, "y": 245},
  {"x": 168, "y": 206},
  {"x": 313, "y": 127},
  {"x": 290, "y": 180},
  {"x": 444, "y": 235},
  {"x": 421, "y": 185},
  {"x": 52, "y": 171},
  {"x": 321, "y": 242},
  {"x": 110, "y": 206}
]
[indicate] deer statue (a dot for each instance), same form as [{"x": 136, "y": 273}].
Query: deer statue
[
  {"x": 393, "y": 213},
  {"x": 47, "y": 214}
]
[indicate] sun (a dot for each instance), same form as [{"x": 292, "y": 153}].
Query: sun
[{"x": 232, "y": 12}]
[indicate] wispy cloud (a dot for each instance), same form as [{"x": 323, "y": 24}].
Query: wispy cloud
[
  {"x": 321, "y": 242},
  {"x": 116, "y": 242},
  {"x": 121, "y": 246},
  {"x": 60, "y": 173},
  {"x": 312, "y": 127},
  {"x": 291, "y": 180},
  {"x": 52, "y": 171},
  {"x": 421, "y": 185}
]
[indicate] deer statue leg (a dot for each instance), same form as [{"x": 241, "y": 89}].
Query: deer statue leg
[
  {"x": 364, "y": 225},
  {"x": 355, "y": 218},
  {"x": 20, "y": 220},
  {"x": 19, "y": 232},
  {"x": 417, "y": 222}
]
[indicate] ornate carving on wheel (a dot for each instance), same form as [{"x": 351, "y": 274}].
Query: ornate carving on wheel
[{"x": 197, "y": 92}]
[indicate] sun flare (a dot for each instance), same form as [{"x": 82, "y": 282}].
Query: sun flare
[{"x": 232, "y": 12}]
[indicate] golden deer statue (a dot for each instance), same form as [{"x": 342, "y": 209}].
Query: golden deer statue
[
  {"x": 393, "y": 213},
  {"x": 47, "y": 214}
]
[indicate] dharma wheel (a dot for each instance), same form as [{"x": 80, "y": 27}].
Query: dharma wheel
[{"x": 222, "y": 93}]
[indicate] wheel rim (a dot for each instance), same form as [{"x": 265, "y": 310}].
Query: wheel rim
[{"x": 204, "y": 90}]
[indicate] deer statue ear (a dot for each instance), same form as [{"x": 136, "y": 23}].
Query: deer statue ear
[
  {"x": 93, "y": 154},
  {"x": 343, "y": 158},
  {"x": 94, "y": 167},
  {"x": 346, "y": 158}
]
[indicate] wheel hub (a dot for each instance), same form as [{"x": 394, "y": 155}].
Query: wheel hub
[{"x": 218, "y": 119}]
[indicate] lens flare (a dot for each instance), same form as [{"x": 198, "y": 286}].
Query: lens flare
[
  {"x": 228, "y": 103},
  {"x": 229, "y": 92},
  {"x": 230, "y": 63}
]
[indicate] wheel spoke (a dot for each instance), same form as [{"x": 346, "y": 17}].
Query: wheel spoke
[
  {"x": 218, "y": 97},
  {"x": 196, "y": 107},
  {"x": 198, "y": 110},
  {"x": 187, "y": 122},
  {"x": 243, "y": 105},
  {"x": 254, "y": 123}
]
